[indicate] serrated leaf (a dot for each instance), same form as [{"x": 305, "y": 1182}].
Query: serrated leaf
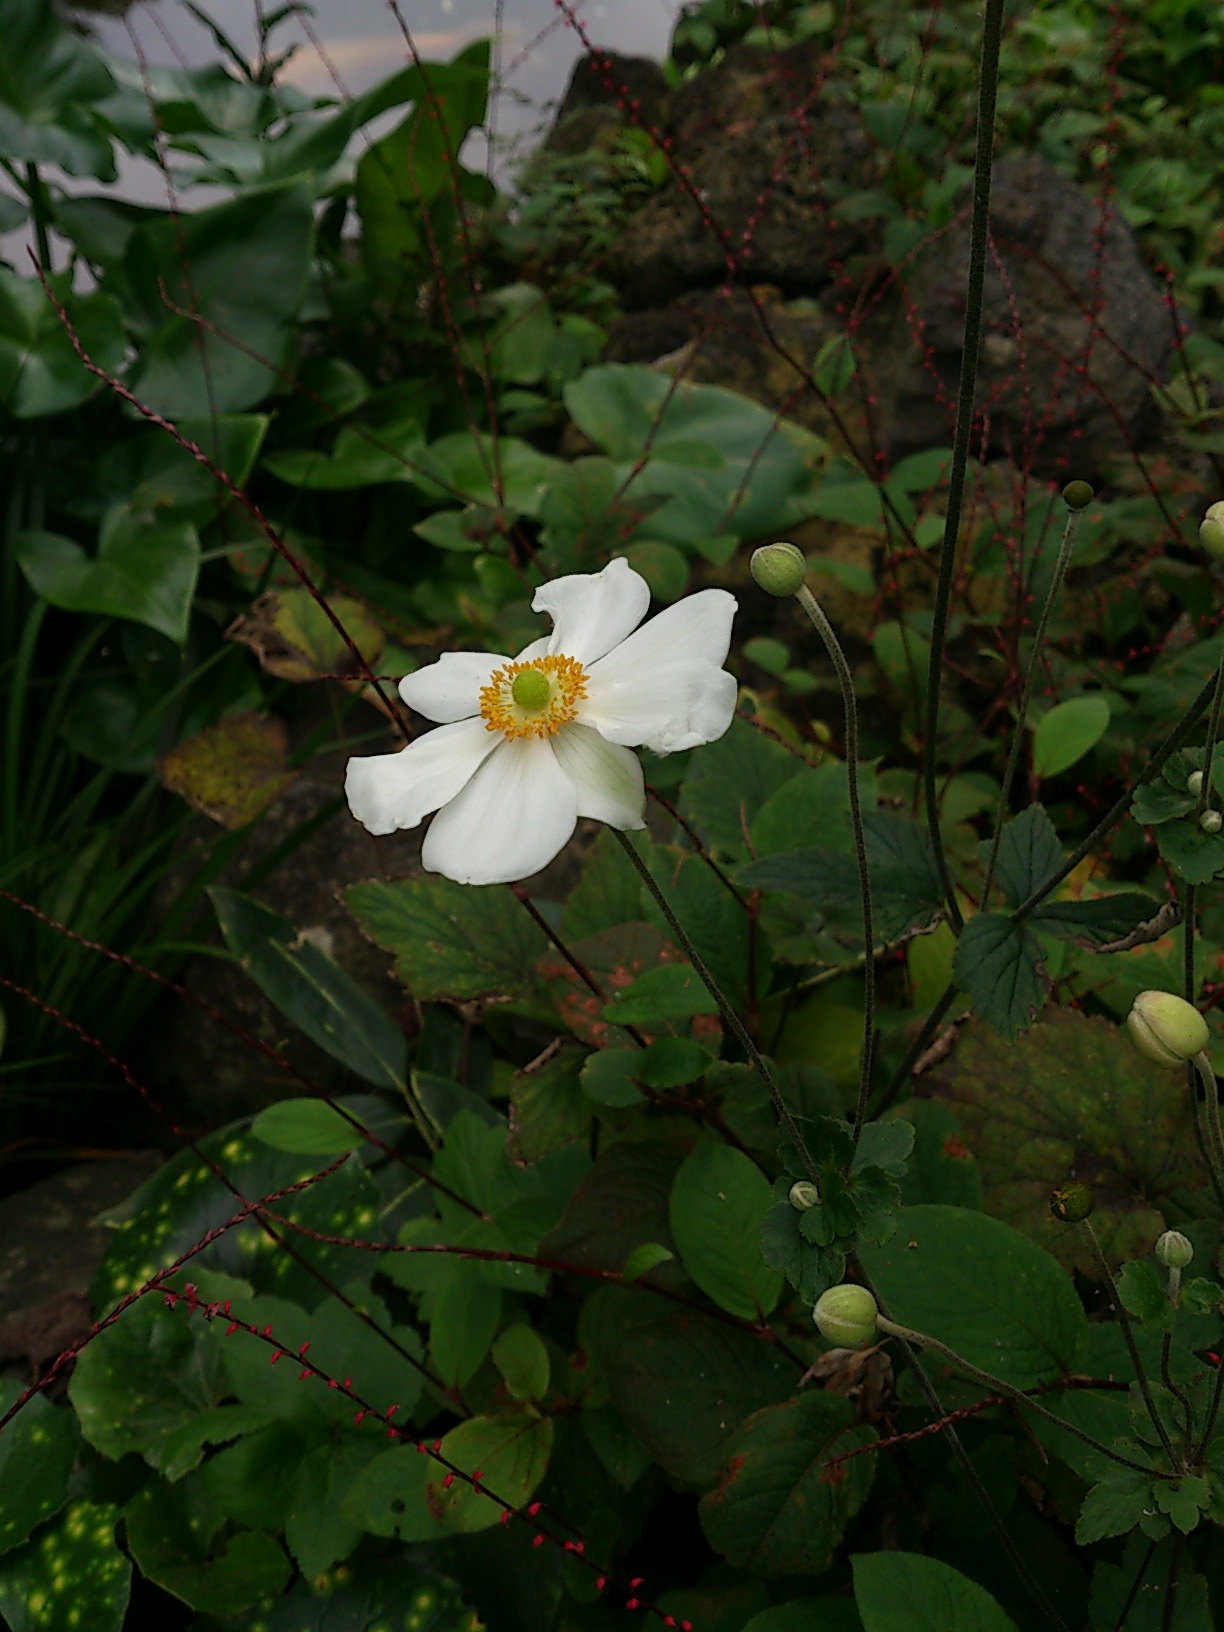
[
  {"x": 1196, "y": 856},
  {"x": 886, "y": 1145},
  {"x": 450, "y": 940},
  {"x": 998, "y": 963},
  {"x": 1183, "y": 1500},
  {"x": 1095, "y": 922},
  {"x": 1156, "y": 802},
  {"x": 671, "y": 992},
  {"x": 1114, "y": 1506},
  {"x": 1030, "y": 852}
]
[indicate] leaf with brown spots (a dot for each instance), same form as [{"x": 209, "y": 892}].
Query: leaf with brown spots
[{"x": 231, "y": 771}]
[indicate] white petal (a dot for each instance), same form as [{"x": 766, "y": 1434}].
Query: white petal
[
  {"x": 390, "y": 791},
  {"x": 509, "y": 821},
  {"x": 593, "y": 611},
  {"x": 664, "y": 687},
  {"x": 607, "y": 779},
  {"x": 449, "y": 689}
]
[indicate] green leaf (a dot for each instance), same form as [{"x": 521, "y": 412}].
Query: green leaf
[
  {"x": 1097, "y": 921},
  {"x": 983, "y": 1289},
  {"x": 547, "y": 1106},
  {"x": 943, "y": 1167},
  {"x": 70, "y": 1575},
  {"x": 1030, "y": 852},
  {"x": 521, "y": 1357},
  {"x": 607, "y": 895},
  {"x": 49, "y": 79},
  {"x": 1184, "y": 1500},
  {"x": 1114, "y": 1505},
  {"x": 621, "y": 1204},
  {"x": 309, "y": 1127},
  {"x": 777, "y": 1510},
  {"x": 37, "y": 1451},
  {"x": 450, "y": 940},
  {"x": 185, "y": 1200},
  {"x": 609, "y": 1077},
  {"x": 910, "y": 1592},
  {"x": 40, "y": 371},
  {"x": 682, "y": 1380},
  {"x": 312, "y": 990},
  {"x": 1068, "y": 732},
  {"x": 718, "y": 1202},
  {"x": 144, "y": 573},
  {"x": 1114, "y": 1600},
  {"x": 726, "y": 465},
  {"x": 728, "y": 782},
  {"x": 242, "y": 267},
  {"x": 671, "y": 992},
  {"x": 645, "y": 1258},
  {"x": 510, "y": 1452},
  {"x": 1197, "y": 856},
  {"x": 1072, "y": 1096},
  {"x": 170, "y": 1531},
  {"x": 998, "y": 964},
  {"x": 1142, "y": 1290},
  {"x": 119, "y": 1384}
]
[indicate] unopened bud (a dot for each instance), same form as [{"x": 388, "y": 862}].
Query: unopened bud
[
  {"x": 1211, "y": 821},
  {"x": 1211, "y": 531},
  {"x": 779, "y": 569},
  {"x": 1174, "y": 1250},
  {"x": 1194, "y": 784},
  {"x": 1167, "y": 1029},
  {"x": 1072, "y": 1203},
  {"x": 846, "y": 1316},
  {"x": 1077, "y": 495},
  {"x": 803, "y": 1195}
]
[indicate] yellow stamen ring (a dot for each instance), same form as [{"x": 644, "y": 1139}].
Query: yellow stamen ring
[{"x": 533, "y": 699}]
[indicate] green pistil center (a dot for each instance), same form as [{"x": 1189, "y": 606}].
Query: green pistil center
[{"x": 531, "y": 689}]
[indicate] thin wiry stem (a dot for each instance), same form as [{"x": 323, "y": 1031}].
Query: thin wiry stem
[
  {"x": 730, "y": 1019},
  {"x": 1026, "y": 694},
  {"x": 845, "y": 680},
  {"x": 979, "y": 232}
]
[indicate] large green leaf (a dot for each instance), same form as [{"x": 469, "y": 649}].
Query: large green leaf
[
  {"x": 450, "y": 940},
  {"x": 983, "y": 1289},
  {"x": 173, "y": 1534},
  {"x": 682, "y": 1380},
  {"x": 718, "y": 1200},
  {"x": 240, "y": 266},
  {"x": 777, "y": 1510},
  {"x": 1072, "y": 1097},
  {"x": 510, "y": 1454},
  {"x": 622, "y": 1204},
  {"x": 69, "y": 1576},
  {"x": 141, "y": 572},
  {"x": 40, "y": 372},
  {"x": 312, "y": 990},
  {"x": 1030, "y": 852},
  {"x": 909, "y": 1592},
  {"x": 185, "y": 1200},
  {"x": 37, "y": 1450},
  {"x": 727, "y": 466},
  {"x": 49, "y": 77}
]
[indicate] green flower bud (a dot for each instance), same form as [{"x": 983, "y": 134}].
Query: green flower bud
[
  {"x": 1194, "y": 784},
  {"x": 846, "y": 1315},
  {"x": 803, "y": 1195},
  {"x": 1211, "y": 531},
  {"x": 1211, "y": 821},
  {"x": 1174, "y": 1250},
  {"x": 1072, "y": 1203},
  {"x": 1167, "y": 1029},
  {"x": 1077, "y": 495},
  {"x": 779, "y": 569}
]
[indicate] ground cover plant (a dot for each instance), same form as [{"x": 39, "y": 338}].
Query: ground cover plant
[{"x": 681, "y": 693}]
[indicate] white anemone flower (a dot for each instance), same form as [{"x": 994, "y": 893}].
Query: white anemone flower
[{"x": 527, "y": 745}]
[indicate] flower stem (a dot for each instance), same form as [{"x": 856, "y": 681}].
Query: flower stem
[
  {"x": 988, "y": 84},
  {"x": 906, "y": 1334},
  {"x": 845, "y": 680},
  {"x": 730, "y": 1019},
  {"x": 1211, "y": 1090},
  {"x": 1026, "y": 694},
  {"x": 972, "y": 1478},
  {"x": 1128, "y": 1337}
]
